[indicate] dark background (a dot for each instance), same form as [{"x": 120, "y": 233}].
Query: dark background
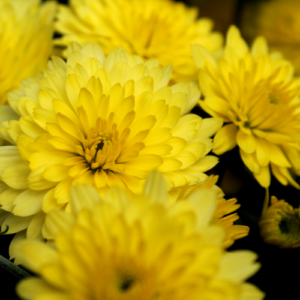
[{"x": 278, "y": 276}]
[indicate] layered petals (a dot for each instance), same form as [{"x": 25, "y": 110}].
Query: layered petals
[
  {"x": 136, "y": 246},
  {"x": 101, "y": 121},
  {"x": 256, "y": 94},
  {"x": 161, "y": 35}
]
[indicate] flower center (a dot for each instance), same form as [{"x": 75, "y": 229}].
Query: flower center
[
  {"x": 126, "y": 283},
  {"x": 102, "y": 147},
  {"x": 273, "y": 99},
  {"x": 290, "y": 225}
]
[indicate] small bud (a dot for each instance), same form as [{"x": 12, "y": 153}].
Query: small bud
[{"x": 280, "y": 224}]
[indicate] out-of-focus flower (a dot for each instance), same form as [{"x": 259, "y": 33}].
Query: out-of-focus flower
[
  {"x": 120, "y": 247},
  {"x": 99, "y": 121},
  {"x": 279, "y": 22},
  {"x": 223, "y": 215},
  {"x": 257, "y": 96},
  {"x": 280, "y": 224},
  {"x": 26, "y": 30},
  {"x": 159, "y": 29}
]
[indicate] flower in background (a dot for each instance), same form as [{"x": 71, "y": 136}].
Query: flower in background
[
  {"x": 278, "y": 21},
  {"x": 99, "y": 121},
  {"x": 26, "y": 30},
  {"x": 280, "y": 224},
  {"x": 223, "y": 215},
  {"x": 137, "y": 247},
  {"x": 159, "y": 29},
  {"x": 256, "y": 94}
]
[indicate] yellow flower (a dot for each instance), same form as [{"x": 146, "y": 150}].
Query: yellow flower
[
  {"x": 278, "y": 21},
  {"x": 159, "y": 29},
  {"x": 256, "y": 94},
  {"x": 280, "y": 224},
  {"x": 99, "y": 121},
  {"x": 223, "y": 215},
  {"x": 26, "y": 30},
  {"x": 120, "y": 247}
]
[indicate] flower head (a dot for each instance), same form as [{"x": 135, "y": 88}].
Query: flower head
[
  {"x": 99, "y": 121},
  {"x": 120, "y": 247},
  {"x": 256, "y": 94},
  {"x": 143, "y": 27},
  {"x": 223, "y": 215},
  {"x": 26, "y": 30},
  {"x": 280, "y": 224}
]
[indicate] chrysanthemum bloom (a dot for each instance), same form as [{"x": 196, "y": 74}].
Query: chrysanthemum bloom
[
  {"x": 159, "y": 29},
  {"x": 121, "y": 247},
  {"x": 223, "y": 215},
  {"x": 280, "y": 224},
  {"x": 99, "y": 121},
  {"x": 278, "y": 21},
  {"x": 26, "y": 30},
  {"x": 256, "y": 94}
]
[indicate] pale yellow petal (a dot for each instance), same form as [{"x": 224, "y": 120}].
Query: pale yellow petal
[
  {"x": 155, "y": 187},
  {"x": 16, "y": 176},
  {"x": 83, "y": 196},
  {"x": 34, "y": 254}
]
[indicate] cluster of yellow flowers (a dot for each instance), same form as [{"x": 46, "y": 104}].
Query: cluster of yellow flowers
[{"x": 102, "y": 162}]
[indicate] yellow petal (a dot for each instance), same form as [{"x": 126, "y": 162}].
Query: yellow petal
[
  {"x": 263, "y": 177},
  {"x": 31, "y": 288},
  {"x": 28, "y": 203},
  {"x": 283, "y": 176},
  {"x": 225, "y": 139},
  {"x": 155, "y": 187},
  {"x": 146, "y": 162},
  {"x": 15, "y": 223},
  {"x": 34, "y": 254},
  {"x": 277, "y": 156},
  {"x": 259, "y": 47},
  {"x": 34, "y": 230},
  {"x": 204, "y": 202},
  {"x": 9, "y": 156},
  {"x": 250, "y": 161},
  {"x": 232, "y": 262},
  {"x": 262, "y": 152},
  {"x": 16, "y": 176},
  {"x": 202, "y": 56},
  {"x": 246, "y": 142},
  {"x": 83, "y": 196},
  {"x": 58, "y": 221},
  {"x": 23, "y": 143}
]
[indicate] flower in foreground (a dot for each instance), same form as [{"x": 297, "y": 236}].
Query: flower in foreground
[
  {"x": 280, "y": 224},
  {"x": 99, "y": 121},
  {"x": 149, "y": 28},
  {"x": 26, "y": 30},
  {"x": 255, "y": 93},
  {"x": 223, "y": 214},
  {"x": 120, "y": 247}
]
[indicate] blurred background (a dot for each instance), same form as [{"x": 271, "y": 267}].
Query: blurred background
[{"x": 279, "y": 22}]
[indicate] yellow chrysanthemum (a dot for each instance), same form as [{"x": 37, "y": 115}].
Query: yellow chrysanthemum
[
  {"x": 223, "y": 215},
  {"x": 26, "y": 30},
  {"x": 257, "y": 96},
  {"x": 99, "y": 121},
  {"x": 280, "y": 224},
  {"x": 121, "y": 247},
  {"x": 159, "y": 29},
  {"x": 278, "y": 21}
]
